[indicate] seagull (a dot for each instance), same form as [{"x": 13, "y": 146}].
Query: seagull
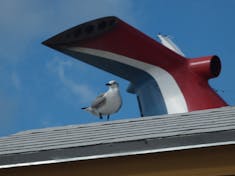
[{"x": 107, "y": 103}]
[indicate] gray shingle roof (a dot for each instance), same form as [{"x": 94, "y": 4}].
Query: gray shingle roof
[{"x": 121, "y": 137}]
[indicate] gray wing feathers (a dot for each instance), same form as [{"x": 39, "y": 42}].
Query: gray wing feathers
[{"x": 99, "y": 101}]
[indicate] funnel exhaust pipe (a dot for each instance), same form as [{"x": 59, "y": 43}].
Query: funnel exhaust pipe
[{"x": 206, "y": 67}]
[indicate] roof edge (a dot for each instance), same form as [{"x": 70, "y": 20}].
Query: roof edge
[{"x": 55, "y": 161}]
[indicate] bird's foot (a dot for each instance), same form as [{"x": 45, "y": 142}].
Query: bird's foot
[
  {"x": 100, "y": 115},
  {"x": 108, "y": 117}
]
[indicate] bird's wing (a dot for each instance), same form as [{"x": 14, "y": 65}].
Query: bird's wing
[{"x": 99, "y": 101}]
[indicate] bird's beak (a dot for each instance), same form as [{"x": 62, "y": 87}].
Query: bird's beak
[{"x": 107, "y": 84}]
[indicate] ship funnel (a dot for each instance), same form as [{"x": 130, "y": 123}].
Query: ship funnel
[{"x": 164, "y": 82}]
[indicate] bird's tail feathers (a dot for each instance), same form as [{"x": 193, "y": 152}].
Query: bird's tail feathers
[
  {"x": 84, "y": 108},
  {"x": 88, "y": 109},
  {"x": 91, "y": 110}
]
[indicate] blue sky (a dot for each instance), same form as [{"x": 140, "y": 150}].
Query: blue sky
[{"x": 40, "y": 87}]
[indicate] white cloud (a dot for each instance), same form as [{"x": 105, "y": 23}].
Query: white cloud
[
  {"x": 27, "y": 21},
  {"x": 16, "y": 80},
  {"x": 82, "y": 91}
]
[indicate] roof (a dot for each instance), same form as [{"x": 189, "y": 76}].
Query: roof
[{"x": 119, "y": 138}]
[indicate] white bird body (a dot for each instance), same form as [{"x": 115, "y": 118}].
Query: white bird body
[{"x": 108, "y": 103}]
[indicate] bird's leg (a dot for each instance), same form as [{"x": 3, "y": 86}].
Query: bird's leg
[
  {"x": 107, "y": 117},
  {"x": 100, "y": 115}
]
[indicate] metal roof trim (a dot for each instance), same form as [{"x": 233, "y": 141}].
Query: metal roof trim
[{"x": 55, "y": 161}]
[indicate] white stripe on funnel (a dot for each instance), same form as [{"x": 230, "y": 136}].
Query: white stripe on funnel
[{"x": 173, "y": 97}]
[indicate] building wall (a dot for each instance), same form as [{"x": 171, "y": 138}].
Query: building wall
[{"x": 213, "y": 161}]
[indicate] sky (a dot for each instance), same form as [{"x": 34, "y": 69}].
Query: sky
[{"x": 40, "y": 87}]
